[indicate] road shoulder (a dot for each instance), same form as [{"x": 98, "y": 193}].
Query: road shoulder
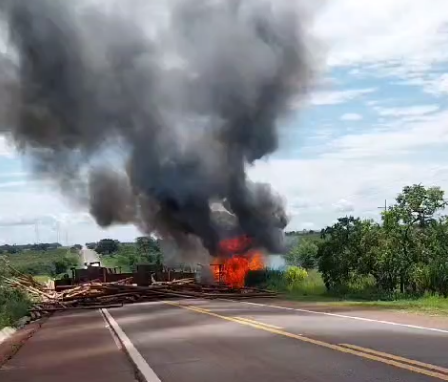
[
  {"x": 77, "y": 345},
  {"x": 375, "y": 314}
]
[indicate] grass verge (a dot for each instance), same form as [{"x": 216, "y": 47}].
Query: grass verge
[
  {"x": 362, "y": 294},
  {"x": 13, "y": 305},
  {"x": 42, "y": 278}
]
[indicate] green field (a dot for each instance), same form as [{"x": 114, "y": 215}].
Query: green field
[{"x": 43, "y": 263}]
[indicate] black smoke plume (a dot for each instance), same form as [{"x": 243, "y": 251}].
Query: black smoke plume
[{"x": 151, "y": 120}]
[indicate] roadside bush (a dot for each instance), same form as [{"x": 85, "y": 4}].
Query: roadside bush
[
  {"x": 406, "y": 255},
  {"x": 13, "y": 304},
  {"x": 295, "y": 276}
]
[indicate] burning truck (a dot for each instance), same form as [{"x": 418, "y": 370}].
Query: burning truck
[
  {"x": 238, "y": 253},
  {"x": 238, "y": 259}
]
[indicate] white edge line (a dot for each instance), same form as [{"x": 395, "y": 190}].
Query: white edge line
[
  {"x": 345, "y": 316},
  {"x": 145, "y": 370},
  {"x": 112, "y": 333}
]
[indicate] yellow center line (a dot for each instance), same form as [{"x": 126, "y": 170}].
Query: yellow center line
[
  {"x": 342, "y": 349},
  {"x": 397, "y": 358},
  {"x": 257, "y": 322}
]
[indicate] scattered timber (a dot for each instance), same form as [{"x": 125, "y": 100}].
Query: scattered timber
[{"x": 95, "y": 294}]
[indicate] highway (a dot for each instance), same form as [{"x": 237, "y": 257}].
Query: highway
[
  {"x": 222, "y": 341},
  {"x": 88, "y": 256}
]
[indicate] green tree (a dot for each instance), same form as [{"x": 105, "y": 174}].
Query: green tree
[
  {"x": 107, "y": 246},
  {"x": 406, "y": 226},
  {"x": 149, "y": 249},
  {"x": 91, "y": 245},
  {"x": 336, "y": 257},
  {"x": 303, "y": 254}
]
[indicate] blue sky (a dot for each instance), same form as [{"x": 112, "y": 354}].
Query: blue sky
[{"x": 377, "y": 120}]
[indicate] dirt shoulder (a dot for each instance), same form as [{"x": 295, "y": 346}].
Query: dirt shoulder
[{"x": 11, "y": 345}]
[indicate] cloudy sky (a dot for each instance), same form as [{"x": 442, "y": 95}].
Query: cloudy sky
[{"x": 377, "y": 121}]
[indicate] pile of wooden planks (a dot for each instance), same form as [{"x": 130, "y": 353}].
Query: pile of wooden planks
[{"x": 101, "y": 295}]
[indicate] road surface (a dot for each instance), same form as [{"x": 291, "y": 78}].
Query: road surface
[
  {"x": 222, "y": 341},
  {"x": 88, "y": 256}
]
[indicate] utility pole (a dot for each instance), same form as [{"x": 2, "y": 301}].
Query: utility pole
[
  {"x": 384, "y": 207},
  {"x": 57, "y": 232},
  {"x": 36, "y": 231}
]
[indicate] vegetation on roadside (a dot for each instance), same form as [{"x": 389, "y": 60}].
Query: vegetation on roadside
[
  {"x": 399, "y": 263},
  {"x": 43, "y": 263},
  {"x": 406, "y": 255},
  {"x": 13, "y": 304},
  {"x": 126, "y": 256}
]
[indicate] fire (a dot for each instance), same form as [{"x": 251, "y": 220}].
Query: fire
[{"x": 232, "y": 270}]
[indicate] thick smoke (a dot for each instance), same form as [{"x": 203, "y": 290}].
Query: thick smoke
[{"x": 150, "y": 124}]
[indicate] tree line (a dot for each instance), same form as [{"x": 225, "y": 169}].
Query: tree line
[
  {"x": 18, "y": 248},
  {"x": 406, "y": 252},
  {"x": 145, "y": 250}
]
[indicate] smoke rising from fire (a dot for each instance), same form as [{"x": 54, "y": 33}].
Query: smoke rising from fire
[{"x": 151, "y": 125}]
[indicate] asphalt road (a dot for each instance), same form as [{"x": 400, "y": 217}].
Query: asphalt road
[
  {"x": 223, "y": 341},
  {"x": 89, "y": 256}
]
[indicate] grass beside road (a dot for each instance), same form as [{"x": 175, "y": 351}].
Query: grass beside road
[
  {"x": 312, "y": 291},
  {"x": 43, "y": 263},
  {"x": 433, "y": 305},
  {"x": 43, "y": 279},
  {"x": 13, "y": 306}
]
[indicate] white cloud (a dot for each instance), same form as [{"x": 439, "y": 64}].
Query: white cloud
[
  {"x": 359, "y": 171},
  {"x": 361, "y": 184},
  {"x": 20, "y": 211},
  {"x": 405, "y": 137},
  {"x": 408, "y": 33},
  {"x": 334, "y": 97},
  {"x": 351, "y": 117},
  {"x": 436, "y": 85},
  {"x": 415, "y": 110},
  {"x": 343, "y": 205}
]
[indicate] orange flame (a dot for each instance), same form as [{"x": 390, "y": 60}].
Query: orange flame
[{"x": 233, "y": 270}]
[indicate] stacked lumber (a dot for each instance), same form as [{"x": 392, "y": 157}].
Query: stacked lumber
[{"x": 97, "y": 294}]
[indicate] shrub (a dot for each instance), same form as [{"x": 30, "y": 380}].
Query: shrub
[
  {"x": 13, "y": 304},
  {"x": 295, "y": 275}
]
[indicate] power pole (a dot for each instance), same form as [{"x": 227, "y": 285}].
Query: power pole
[
  {"x": 36, "y": 231},
  {"x": 57, "y": 232},
  {"x": 384, "y": 207}
]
